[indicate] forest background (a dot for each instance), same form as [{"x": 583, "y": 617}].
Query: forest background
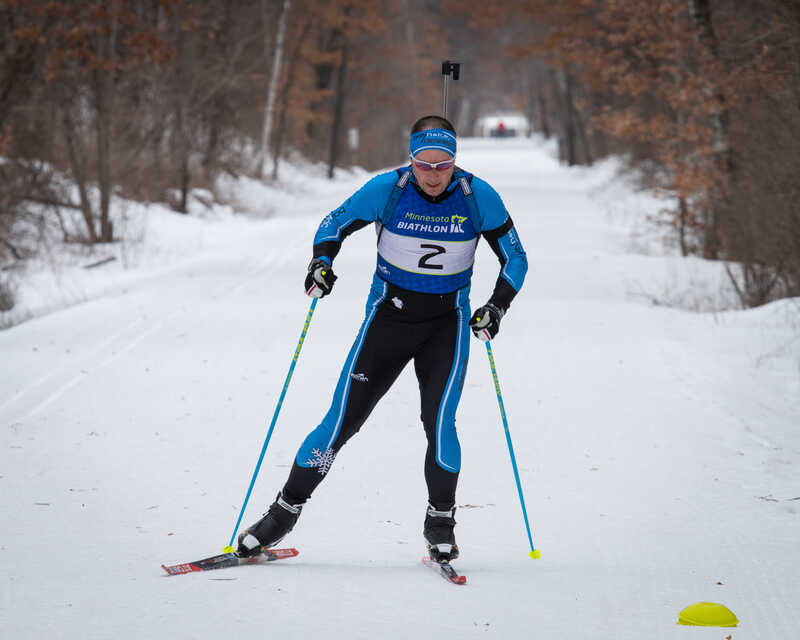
[{"x": 149, "y": 99}]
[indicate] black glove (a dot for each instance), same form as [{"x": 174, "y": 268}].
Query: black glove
[
  {"x": 485, "y": 322},
  {"x": 320, "y": 279}
]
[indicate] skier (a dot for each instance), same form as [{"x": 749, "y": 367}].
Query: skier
[{"x": 428, "y": 217}]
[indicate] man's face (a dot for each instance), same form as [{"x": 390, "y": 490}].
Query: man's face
[{"x": 432, "y": 182}]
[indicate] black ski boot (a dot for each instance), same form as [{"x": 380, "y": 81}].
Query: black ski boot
[
  {"x": 439, "y": 534},
  {"x": 267, "y": 532}
]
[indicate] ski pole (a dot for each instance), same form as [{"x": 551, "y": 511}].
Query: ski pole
[
  {"x": 229, "y": 548},
  {"x": 534, "y": 553}
]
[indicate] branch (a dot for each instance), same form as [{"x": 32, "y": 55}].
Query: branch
[
  {"x": 14, "y": 251},
  {"x": 735, "y": 285},
  {"x": 51, "y": 202}
]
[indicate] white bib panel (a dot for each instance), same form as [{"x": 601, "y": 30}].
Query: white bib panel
[{"x": 426, "y": 256}]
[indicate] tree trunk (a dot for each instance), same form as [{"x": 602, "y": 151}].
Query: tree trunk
[
  {"x": 700, "y": 12},
  {"x": 583, "y": 136},
  {"x": 214, "y": 116},
  {"x": 103, "y": 141},
  {"x": 338, "y": 108},
  {"x": 214, "y": 125},
  {"x": 526, "y": 81},
  {"x": 682, "y": 225},
  {"x": 271, "y": 90},
  {"x": 412, "y": 67},
  {"x": 79, "y": 174},
  {"x": 103, "y": 96},
  {"x": 539, "y": 89},
  {"x": 180, "y": 138},
  {"x": 795, "y": 84},
  {"x": 569, "y": 151},
  {"x": 287, "y": 89},
  {"x": 183, "y": 205},
  {"x": 104, "y": 183},
  {"x": 155, "y": 188},
  {"x": 182, "y": 159}
]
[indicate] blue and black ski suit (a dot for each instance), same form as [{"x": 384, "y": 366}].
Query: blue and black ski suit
[{"x": 418, "y": 309}]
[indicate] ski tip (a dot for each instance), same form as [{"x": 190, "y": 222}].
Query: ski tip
[
  {"x": 535, "y": 554},
  {"x": 178, "y": 569}
]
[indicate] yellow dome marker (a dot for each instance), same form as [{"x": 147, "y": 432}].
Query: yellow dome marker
[
  {"x": 535, "y": 554},
  {"x": 707, "y": 614}
]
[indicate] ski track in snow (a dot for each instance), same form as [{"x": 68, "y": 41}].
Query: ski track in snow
[{"x": 657, "y": 448}]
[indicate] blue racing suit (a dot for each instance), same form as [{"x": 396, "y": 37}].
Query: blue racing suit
[{"x": 417, "y": 309}]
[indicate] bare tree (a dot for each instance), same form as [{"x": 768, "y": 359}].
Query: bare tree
[{"x": 269, "y": 109}]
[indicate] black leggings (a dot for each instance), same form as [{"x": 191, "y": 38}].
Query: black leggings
[{"x": 422, "y": 327}]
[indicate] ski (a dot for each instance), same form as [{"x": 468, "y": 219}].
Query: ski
[
  {"x": 224, "y": 560},
  {"x": 445, "y": 570}
]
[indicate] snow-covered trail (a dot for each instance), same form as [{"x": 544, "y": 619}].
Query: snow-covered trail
[{"x": 658, "y": 449}]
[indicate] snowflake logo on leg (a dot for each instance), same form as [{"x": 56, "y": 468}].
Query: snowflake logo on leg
[{"x": 322, "y": 461}]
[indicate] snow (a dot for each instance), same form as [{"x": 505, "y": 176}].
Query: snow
[{"x": 658, "y": 445}]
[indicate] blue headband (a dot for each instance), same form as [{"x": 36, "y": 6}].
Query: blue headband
[{"x": 440, "y": 139}]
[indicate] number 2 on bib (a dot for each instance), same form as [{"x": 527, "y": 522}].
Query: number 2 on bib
[{"x": 423, "y": 261}]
